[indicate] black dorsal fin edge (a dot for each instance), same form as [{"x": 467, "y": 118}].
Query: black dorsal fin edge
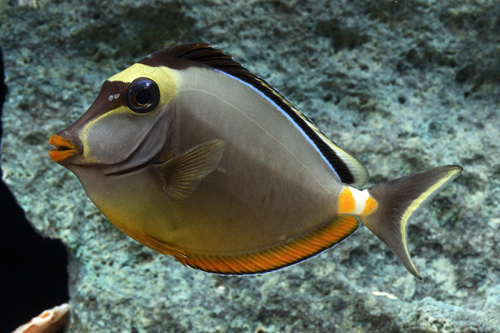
[{"x": 347, "y": 167}]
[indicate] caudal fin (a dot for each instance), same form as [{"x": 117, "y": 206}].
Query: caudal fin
[{"x": 397, "y": 200}]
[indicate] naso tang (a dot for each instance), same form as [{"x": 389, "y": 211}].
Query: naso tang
[{"x": 190, "y": 154}]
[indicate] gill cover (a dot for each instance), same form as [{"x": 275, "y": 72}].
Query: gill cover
[{"x": 136, "y": 125}]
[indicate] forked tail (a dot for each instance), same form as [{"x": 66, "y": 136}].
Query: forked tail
[{"x": 397, "y": 200}]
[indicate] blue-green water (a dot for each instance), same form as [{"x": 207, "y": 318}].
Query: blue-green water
[{"x": 404, "y": 86}]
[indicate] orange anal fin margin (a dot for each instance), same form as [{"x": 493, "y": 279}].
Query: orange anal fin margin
[
  {"x": 162, "y": 248},
  {"x": 278, "y": 257}
]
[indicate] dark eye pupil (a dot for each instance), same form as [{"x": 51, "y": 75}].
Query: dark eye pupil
[{"x": 143, "y": 97}]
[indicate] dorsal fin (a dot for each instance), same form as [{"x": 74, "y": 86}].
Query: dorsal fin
[{"x": 346, "y": 166}]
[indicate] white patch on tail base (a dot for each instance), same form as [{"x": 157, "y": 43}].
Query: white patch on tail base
[{"x": 360, "y": 198}]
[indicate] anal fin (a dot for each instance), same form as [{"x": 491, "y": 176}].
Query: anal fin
[
  {"x": 161, "y": 247},
  {"x": 276, "y": 257}
]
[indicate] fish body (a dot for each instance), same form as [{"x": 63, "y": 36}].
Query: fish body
[{"x": 193, "y": 156}]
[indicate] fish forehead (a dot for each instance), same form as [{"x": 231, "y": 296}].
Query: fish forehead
[{"x": 166, "y": 78}]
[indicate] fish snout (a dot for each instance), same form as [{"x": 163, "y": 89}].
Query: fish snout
[{"x": 64, "y": 148}]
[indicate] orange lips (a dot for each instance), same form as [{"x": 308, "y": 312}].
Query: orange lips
[{"x": 63, "y": 150}]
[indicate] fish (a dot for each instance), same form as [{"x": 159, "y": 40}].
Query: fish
[
  {"x": 192, "y": 155},
  {"x": 49, "y": 321}
]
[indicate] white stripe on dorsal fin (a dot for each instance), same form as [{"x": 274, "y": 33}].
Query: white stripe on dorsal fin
[
  {"x": 355, "y": 167},
  {"x": 347, "y": 167}
]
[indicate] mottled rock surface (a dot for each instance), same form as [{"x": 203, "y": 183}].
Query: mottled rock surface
[{"x": 404, "y": 86}]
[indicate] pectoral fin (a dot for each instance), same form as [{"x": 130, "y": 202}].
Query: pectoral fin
[{"x": 183, "y": 173}]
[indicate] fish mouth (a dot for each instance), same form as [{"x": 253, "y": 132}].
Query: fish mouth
[{"x": 63, "y": 150}]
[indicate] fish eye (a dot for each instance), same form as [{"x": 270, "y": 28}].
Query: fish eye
[{"x": 143, "y": 95}]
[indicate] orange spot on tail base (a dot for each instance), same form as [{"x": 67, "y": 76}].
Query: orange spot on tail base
[
  {"x": 370, "y": 206},
  {"x": 346, "y": 202}
]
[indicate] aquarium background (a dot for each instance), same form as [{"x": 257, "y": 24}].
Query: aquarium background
[{"x": 403, "y": 85}]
